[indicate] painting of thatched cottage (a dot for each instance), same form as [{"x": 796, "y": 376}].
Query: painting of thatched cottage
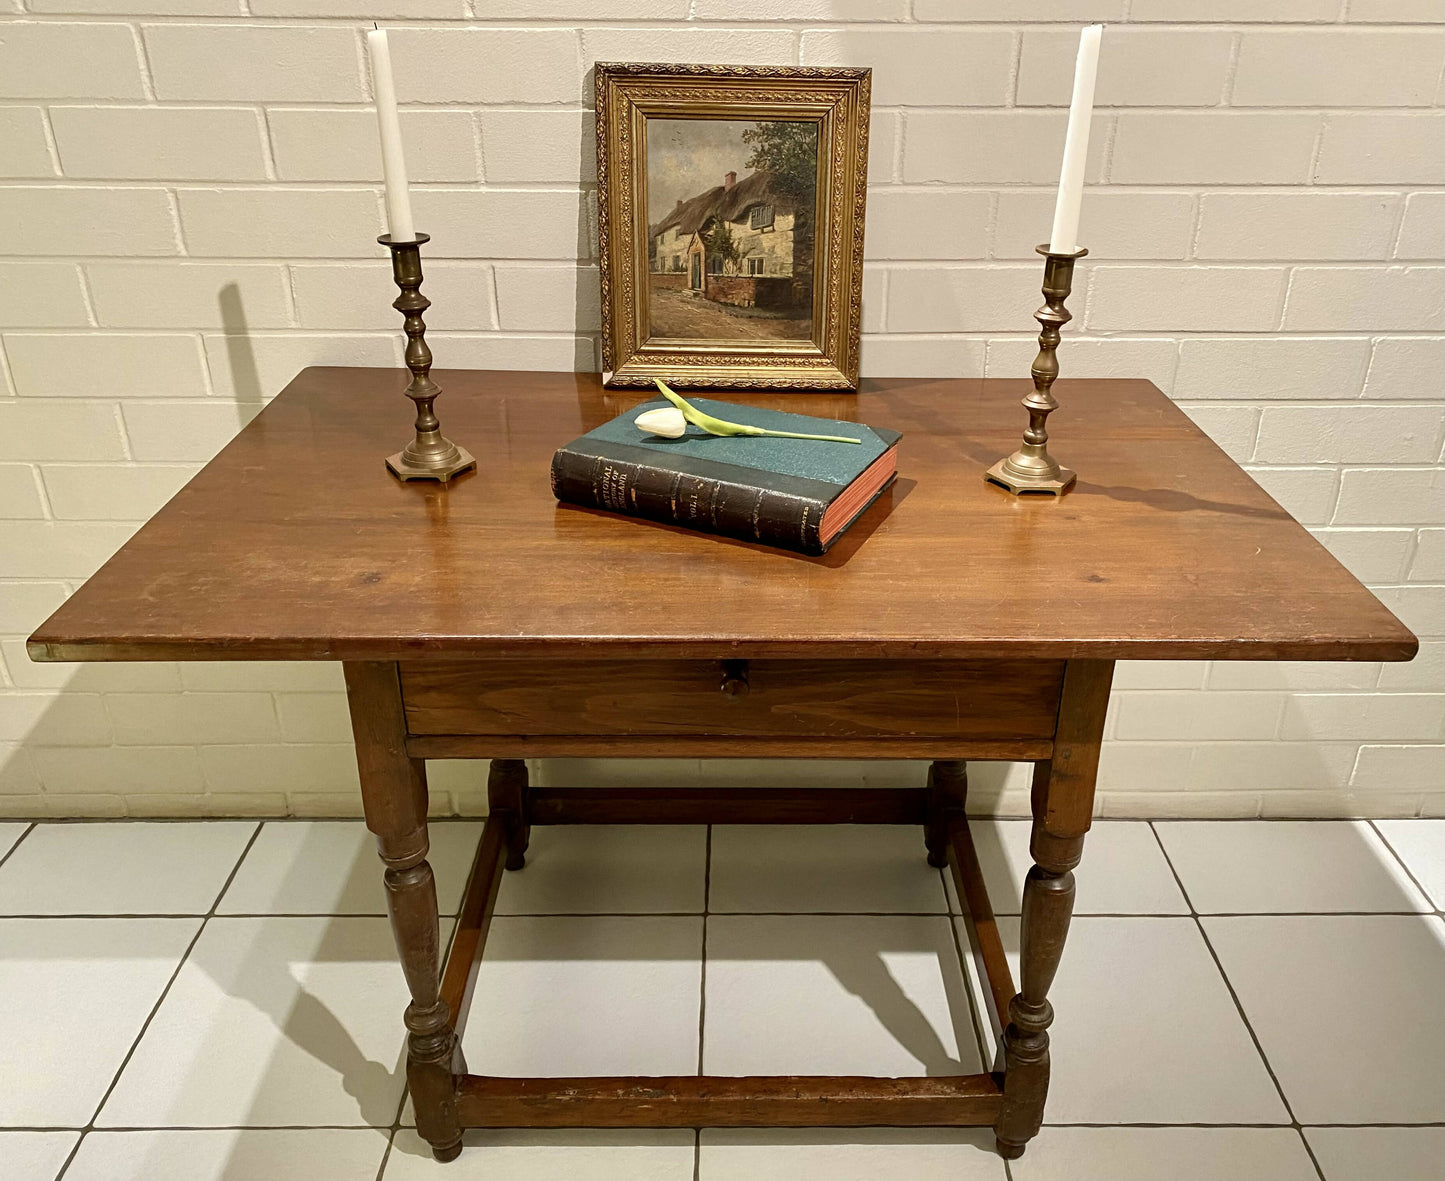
[{"x": 731, "y": 258}]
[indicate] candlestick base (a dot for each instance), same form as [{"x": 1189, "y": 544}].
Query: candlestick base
[
  {"x": 1031, "y": 469},
  {"x": 430, "y": 455},
  {"x": 1051, "y": 481},
  {"x": 443, "y": 468}
]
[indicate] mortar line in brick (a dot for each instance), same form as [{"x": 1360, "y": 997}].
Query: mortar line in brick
[
  {"x": 7, "y": 379},
  {"x": 288, "y": 285},
  {"x": 1011, "y": 87},
  {"x": 147, "y": 79},
  {"x": 51, "y": 146},
  {"x": 45, "y": 506},
  {"x": 1231, "y": 69},
  {"x": 479, "y": 147},
  {"x": 268, "y": 144}
]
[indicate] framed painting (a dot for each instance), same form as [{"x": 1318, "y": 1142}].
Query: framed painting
[{"x": 730, "y": 224}]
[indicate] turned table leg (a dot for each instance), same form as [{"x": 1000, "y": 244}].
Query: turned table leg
[
  {"x": 1062, "y": 805},
  {"x": 507, "y": 798},
  {"x": 394, "y": 795},
  {"x": 947, "y": 792}
]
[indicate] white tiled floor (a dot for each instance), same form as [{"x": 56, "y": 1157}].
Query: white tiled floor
[{"x": 220, "y": 1002}]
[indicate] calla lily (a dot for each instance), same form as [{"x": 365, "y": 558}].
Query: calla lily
[
  {"x": 717, "y": 426},
  {"x": 666, "y": 421}
]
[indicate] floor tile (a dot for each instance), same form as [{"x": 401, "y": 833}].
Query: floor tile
[
  {"x": 587, "y": 996},
  {"x": 609, "y": 868},
  {"x": 1420, "y": 844},
  {"x": 9, "y": 834},
  {"x": 851, "y": 868},
  {"x": 1123, "y": 871},
  {"x": 1295, "y": 866},
  {"x": 1370, "y": 1154},
  {"x": 77, "y": 992},
  {"x": 310, "y": 1154},
  {"x": 1347, "y": 1009},
  {"x": 602, "y": 1154},
  {"x": 331, "y": 867},
  {"x": 849, "y": 1154},
  {"x": 1145, "y": 1030},
  {"x": 34, "y": 1156},
  {"x": 132, "y": 867},
  {"x": 274, "y": 1021},
  {"x": 1156, "y": 1154},
  {"x": 835, "y": 994}
]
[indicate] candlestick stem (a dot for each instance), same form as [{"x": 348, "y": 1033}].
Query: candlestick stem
[
  {"x": 1031, "y": 468},
  {"x": 430, "y": 455}
]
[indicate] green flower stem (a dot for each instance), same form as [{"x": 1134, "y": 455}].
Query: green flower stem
[
  {"x": 795, "y": 435},
  {"x": 717, "y": 426}
]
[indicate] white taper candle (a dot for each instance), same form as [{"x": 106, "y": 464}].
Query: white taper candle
[
  {"x": 1064, "y": 237},
  {"x": 393, "y": 163}
]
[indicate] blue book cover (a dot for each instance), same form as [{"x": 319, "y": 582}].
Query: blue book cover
[{"x": 773, "y": 491}]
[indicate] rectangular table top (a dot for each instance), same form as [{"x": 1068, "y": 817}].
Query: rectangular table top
[{"x": 296, "y": 543}]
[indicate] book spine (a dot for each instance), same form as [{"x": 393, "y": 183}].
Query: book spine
[{"x": 746, "y": 512}]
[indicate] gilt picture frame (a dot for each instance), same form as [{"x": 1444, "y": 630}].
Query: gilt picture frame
[{"x": 730, "y": 208}]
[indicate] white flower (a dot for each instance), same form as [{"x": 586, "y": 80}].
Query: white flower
[{"x": 666, "y": 421}]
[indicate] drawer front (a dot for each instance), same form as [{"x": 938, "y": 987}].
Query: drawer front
[{"x": 967, "y": 699}]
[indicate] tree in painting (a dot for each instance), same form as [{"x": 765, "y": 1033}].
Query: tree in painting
[{"x": 789, "y": 153}]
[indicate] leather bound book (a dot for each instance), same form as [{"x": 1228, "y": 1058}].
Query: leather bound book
[{"x": 797, "y": 494}]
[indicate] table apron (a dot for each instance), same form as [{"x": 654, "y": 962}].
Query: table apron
[{"x": 982, "y": 709}]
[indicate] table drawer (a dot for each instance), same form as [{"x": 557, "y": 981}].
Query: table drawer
[{"x": 998, "y": 699}]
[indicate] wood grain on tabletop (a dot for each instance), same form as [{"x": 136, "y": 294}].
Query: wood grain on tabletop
[{"x": 295, "y": 543}]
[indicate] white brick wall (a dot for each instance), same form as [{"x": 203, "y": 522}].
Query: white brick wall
[{"x": 189, "y": 199}]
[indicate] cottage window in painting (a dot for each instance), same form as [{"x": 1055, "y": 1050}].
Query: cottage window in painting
[{"x": 731, "y": 223}]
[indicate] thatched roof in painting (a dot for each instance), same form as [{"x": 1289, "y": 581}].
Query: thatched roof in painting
[{"x": 756, "y": 188}]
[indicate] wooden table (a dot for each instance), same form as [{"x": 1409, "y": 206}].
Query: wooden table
[{"x": 953, "y": 622}]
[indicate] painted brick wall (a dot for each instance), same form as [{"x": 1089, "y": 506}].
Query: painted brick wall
[{"x": 188, "y": 213}]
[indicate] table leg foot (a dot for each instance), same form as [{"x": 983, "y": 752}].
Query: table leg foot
[
  {"x": 947, "y": 792},
  {"x": 1009, "y": 1150},
  {"x": 507, "y": 797},
  {"x": 450, "y": 1152}
]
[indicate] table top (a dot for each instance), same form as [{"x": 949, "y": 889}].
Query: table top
[{"x": 296, "y": 543}]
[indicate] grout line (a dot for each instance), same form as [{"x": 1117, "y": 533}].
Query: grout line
[
  {"x": 160, "y": 1000},
  {"x": 390, "y": 1140},
  {"x": 1239, "y": 1008},
  {"x": 20, "y": 840},
  {"x": 1181, "y": 1124},
  {"x": 252, "y": 1128},
  {"x": 747, "y": 914},
  {"x": 375, "y": 1128},
  {"x": 235, "y": 869},
  {"x": 1425, "y": 894},
  {"x": 264, "y": 914}
]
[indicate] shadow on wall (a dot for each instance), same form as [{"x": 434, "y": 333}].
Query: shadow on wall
[
  {"x": 57, "y": 757},
  {"x": 240, "y": 353}
]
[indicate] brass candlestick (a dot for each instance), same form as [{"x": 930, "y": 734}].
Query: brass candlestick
[
  {"x": 429, "y": 456},
  {"x": 1031, "y": 468}
]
